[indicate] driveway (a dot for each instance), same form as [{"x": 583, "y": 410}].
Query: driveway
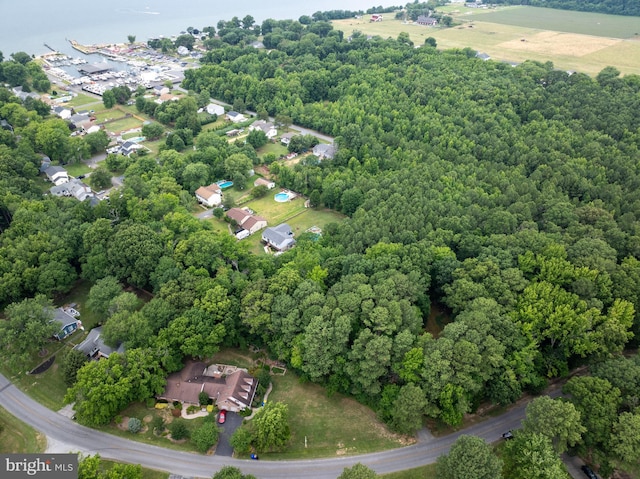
[{"x": 233, "y": 422}]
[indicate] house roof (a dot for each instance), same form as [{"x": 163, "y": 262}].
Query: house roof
[
  {"x": 263, "y": 181},
  {"x": 52, "y": 171},
  {"x": 75, "y": 188},
  {"x": 324, "y": 150},
  {"x": 263, "y": 125},
  {"x": 94, "y": 344},
  {"x": 427, "y": 20},
  {"x": 280, "y": 237},
  {"x": 233, "y": 392},
  {"x": 289, "y": 135},
  {"x": 62, "y": 317},
  {"x": 207, "y": 192},
  {"x": 252, "y": 221},
  {"x": 233, "y": 114},
  {"x": 238, "y": 214}
]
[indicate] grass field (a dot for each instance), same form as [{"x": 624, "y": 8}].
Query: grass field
[
  {"x": 17, "y": 437},
  {"x": 123, "y": 124},
  {"x": 77, "y": 169},
  {"x": 549, "y": 35},
  {"x": 277, "y": 149},
  {"x": 333, "y": 426},
  {"x": 146, "y": 473},
  {"x": 82, "y": 100}
]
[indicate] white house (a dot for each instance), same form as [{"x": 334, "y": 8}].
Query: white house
[
  {"x": 214, "y": 109},
  {"x": 262, "y": 181},
  {"x": 268, "y": 128},
  {"x": 246, "y": 220},
  {"x": 236, "y": 117},
  {"x": 57, "y": 175},
  {"x": 209, "y": 195},
  {"x": 279, "y": 237}
]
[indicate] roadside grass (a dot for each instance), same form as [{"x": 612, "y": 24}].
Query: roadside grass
[
  {"x": 332, "y": 425},
  {"x": 497, "y": 33},
  {"x": 146, "y": 473},
  {"x": 424, "y": 472},
  {"x": 77, "y": 169},
  {"x": 147, "y": 436},
  {"x": 277, "y": 149},
  {"x": 18, "y": 437}
]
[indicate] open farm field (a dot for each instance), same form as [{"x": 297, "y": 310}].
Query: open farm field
[{"x": 517, "y": 34}]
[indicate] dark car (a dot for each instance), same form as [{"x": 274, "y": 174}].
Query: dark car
[
  {"x": 507, "y": 435},
  {"x": 222, "y": 417},
  {"x": 588, "y": 472}
]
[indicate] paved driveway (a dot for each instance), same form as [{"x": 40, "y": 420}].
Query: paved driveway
[{"x": 232, "y": 423}]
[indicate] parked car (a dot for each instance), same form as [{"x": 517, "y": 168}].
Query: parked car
[
  {"x": 588, "y": 472},
  {"x": 507, "y": 435},
  {"x": 222, "y": 417},
  {"x": 254, "y": 457}
]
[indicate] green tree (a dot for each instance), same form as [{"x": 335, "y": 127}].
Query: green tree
[
  {"x": 102, "y": 293},
  {"x": 152, "y": 131},
  {"x": 230, "y": 472},
  {"x": 72, "y": 362},
  {"x": 531, "y": 456},
  {"x": 256, "y": 138},
  {"x": 100, "y": 178},
  {"x": 131, "y": 38},
  {"x": 97, "y": 141},
  {"x": 178, "y": 430},
  {"x": 205, "y": 437},
  {"x": 469, "y": 458},
  {"x": 134, "y": 253},
  {"x": 109, "y": 99},
  {"x": 557, "y": 419},
  {"x": 259, "y": 191},
  {"x": 241, "y": 440},
  {"x": 272, "y": 431},
  {"x": 28, "y": 328},
  {"x": 625, "y": 438},
  {"x": 408, "y": 409},
  {"x": 358, "y": 471}
]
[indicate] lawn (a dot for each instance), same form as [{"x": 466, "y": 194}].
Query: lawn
[
  {"x": 424, "y": 472},
  {"x": 17, "y": 437},
  {"x": 579, "y": 41},
  {"x": 216, "y": 125},
  {"x": 277, "y": 149},
  {"x": 77, "y": 169},
  {"x": 123, "y": 124},
  {"x": 84, "y": 101},
  {"x": 275, "y": 212},
  {"x": 147, "y": 436},
  {"x": 333, "y": 426}
]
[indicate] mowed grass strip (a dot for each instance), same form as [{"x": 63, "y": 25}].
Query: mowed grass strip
[
  {"x": 424, "y": 472},
  {"x": 333, "y": 426},
  {"x": 146, "y": 473},
  {"x": 17, "y": 437}
]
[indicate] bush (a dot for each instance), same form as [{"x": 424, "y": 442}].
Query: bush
[
  {"x": 241, "y": 440},
  {"x": 205, "y": 436},
  {"x": 135, "y": 425},
  {"x": 118, "y": 419},
  {"x": 157, "y": 424},
  {"x": 151, "y": 402},
  {"x": 178, "y": 430},
  {"x": 246, "y": 412},
  {"x": 193, "y": 409},
  {"x": 203, "y": 398},
  {"x": 177, "y": 404}
]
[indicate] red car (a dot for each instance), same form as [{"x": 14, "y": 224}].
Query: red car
[{"x": 222, "y": 417}]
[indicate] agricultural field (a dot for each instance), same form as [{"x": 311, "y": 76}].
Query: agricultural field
[{"x": 579, "y": 41}]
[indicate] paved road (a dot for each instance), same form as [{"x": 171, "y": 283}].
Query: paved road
[{"x": 70, "y": 436}]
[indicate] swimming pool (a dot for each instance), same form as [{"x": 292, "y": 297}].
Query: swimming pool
[
  {"x": 137, "y": 139},
  {"x": 281, "y": 197},
  {"x": 224, "y": 184}
]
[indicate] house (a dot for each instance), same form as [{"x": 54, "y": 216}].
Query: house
[
  {"x": 209, "y": 195},
  {"x": 62, "y": 112},
  {"x": 232, "y": 133},
  {"x": 268, "y": 128},
  {"x": 95, "y": 348},
  {"x": 262, "y": 181},
  {"x": 68, "y": 323},
  {"x": 182, "y": 50},
  {"x": 80, "y": 121},
  {"x": 23, "y": 95},
  {"x": 323, "y": 150},
  {"x": 286, "y": 138},
  {"x": 75, "y": 188},
  {"x": 236, "y": 117},
  {"x": 279, "y": 237},
  {"x": 376, "y": 18},
  {"x": 45, "y": 162},
  {"x": 233, "y": 389},
  {"x": 426, "y": 20},
  {"x": 160, "y": 90},
  {"x": 5, "y": 125},
  {"x": 247, "y": 220},
  {"x": 214, "y": 109},
  {"x": 257, "y": 44},
  {"x": 483, "y": 56},
  {"x": 129, "y": 147},
  {"x": 93, "y": 129},
  {"x": 57, "y": 175}
]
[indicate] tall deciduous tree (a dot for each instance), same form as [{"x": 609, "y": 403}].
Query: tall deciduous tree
[
  {"x": 557, "y": 419},
  {"x": 469, "y": 458},
  {"x": 27, "y": 329},
  {"x": 531, "y": 456},
  {"x": 272, "y": 429}
]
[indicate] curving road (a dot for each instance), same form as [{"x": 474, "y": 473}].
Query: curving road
[{"x": 70, "y": 436}]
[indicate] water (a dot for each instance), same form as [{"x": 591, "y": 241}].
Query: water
[{"x": 27, "y": 25}]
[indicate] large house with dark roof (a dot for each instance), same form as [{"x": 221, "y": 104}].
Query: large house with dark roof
[
  {"x": 95, "y": 348},
  {"x": 232, "y": 391},
  {"x": 279, "y": 237},
  {"x": 68, "y": 323},
  {"x": 247, "y": 220}
]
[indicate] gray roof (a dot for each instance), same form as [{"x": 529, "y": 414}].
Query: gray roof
[
  {"x": 94, "y": 344},
  {"x": 75, "y": 188},
  {"x": 280, "y": 237},
  {"x": 51, "y": 171},
  {"x": 324, "y": 150},
  {"x": 62, "y": 317}
]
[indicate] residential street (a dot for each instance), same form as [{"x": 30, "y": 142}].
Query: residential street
[{"x": 66, "y": 435}]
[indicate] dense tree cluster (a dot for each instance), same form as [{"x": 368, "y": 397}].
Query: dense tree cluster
[{"x": 509, "y": 196}]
